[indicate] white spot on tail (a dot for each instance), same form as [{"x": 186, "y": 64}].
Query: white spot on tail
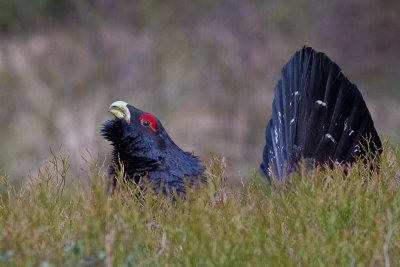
[
  {"x": 357, "y": 149},
  {"x": 330, "y": 137},
  {"x": 296, "y": 93},
  {"x": 321, "y": 103}
]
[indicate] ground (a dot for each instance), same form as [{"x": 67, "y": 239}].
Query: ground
[{"x": 315, "y": 218}]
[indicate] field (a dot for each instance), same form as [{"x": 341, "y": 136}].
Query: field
[
  {"x": 207, "y": 70},
  {"x": 319, "y": 218}
]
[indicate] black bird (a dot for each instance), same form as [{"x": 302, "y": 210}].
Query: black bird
[
  {"x": 145, "y": 151},
  {"x": 317, "y": 115}
]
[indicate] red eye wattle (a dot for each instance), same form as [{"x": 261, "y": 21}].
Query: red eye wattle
[{"x": 148, "y": 120}]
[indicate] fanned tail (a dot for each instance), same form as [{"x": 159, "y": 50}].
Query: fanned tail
[{"x": 318, "y": 115}]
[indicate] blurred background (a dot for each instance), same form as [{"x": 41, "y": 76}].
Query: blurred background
[{"x": 206, "y": 68}]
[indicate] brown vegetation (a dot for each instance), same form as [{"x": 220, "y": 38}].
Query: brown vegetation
[{"x": 206, "y": 69}]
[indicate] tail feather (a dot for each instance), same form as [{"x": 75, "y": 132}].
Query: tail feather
[{"x": 318, "y": 114}]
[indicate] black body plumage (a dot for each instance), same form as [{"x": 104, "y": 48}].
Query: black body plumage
[
  {"x": 151, "y": 155},
  {"x": 318, "y": 115}
]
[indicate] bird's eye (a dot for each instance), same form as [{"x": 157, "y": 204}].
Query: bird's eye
[
  {"x": 148, "y": 120},
  {"x": 145, "y": 123}
]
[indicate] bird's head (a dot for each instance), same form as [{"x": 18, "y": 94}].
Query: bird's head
[{"x": 134, "y": 131}]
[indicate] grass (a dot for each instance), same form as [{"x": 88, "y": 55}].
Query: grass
[{"x": 319, "y": 218}]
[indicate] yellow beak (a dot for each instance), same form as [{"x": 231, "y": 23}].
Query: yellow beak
[{"x": 120, "y": 110}]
